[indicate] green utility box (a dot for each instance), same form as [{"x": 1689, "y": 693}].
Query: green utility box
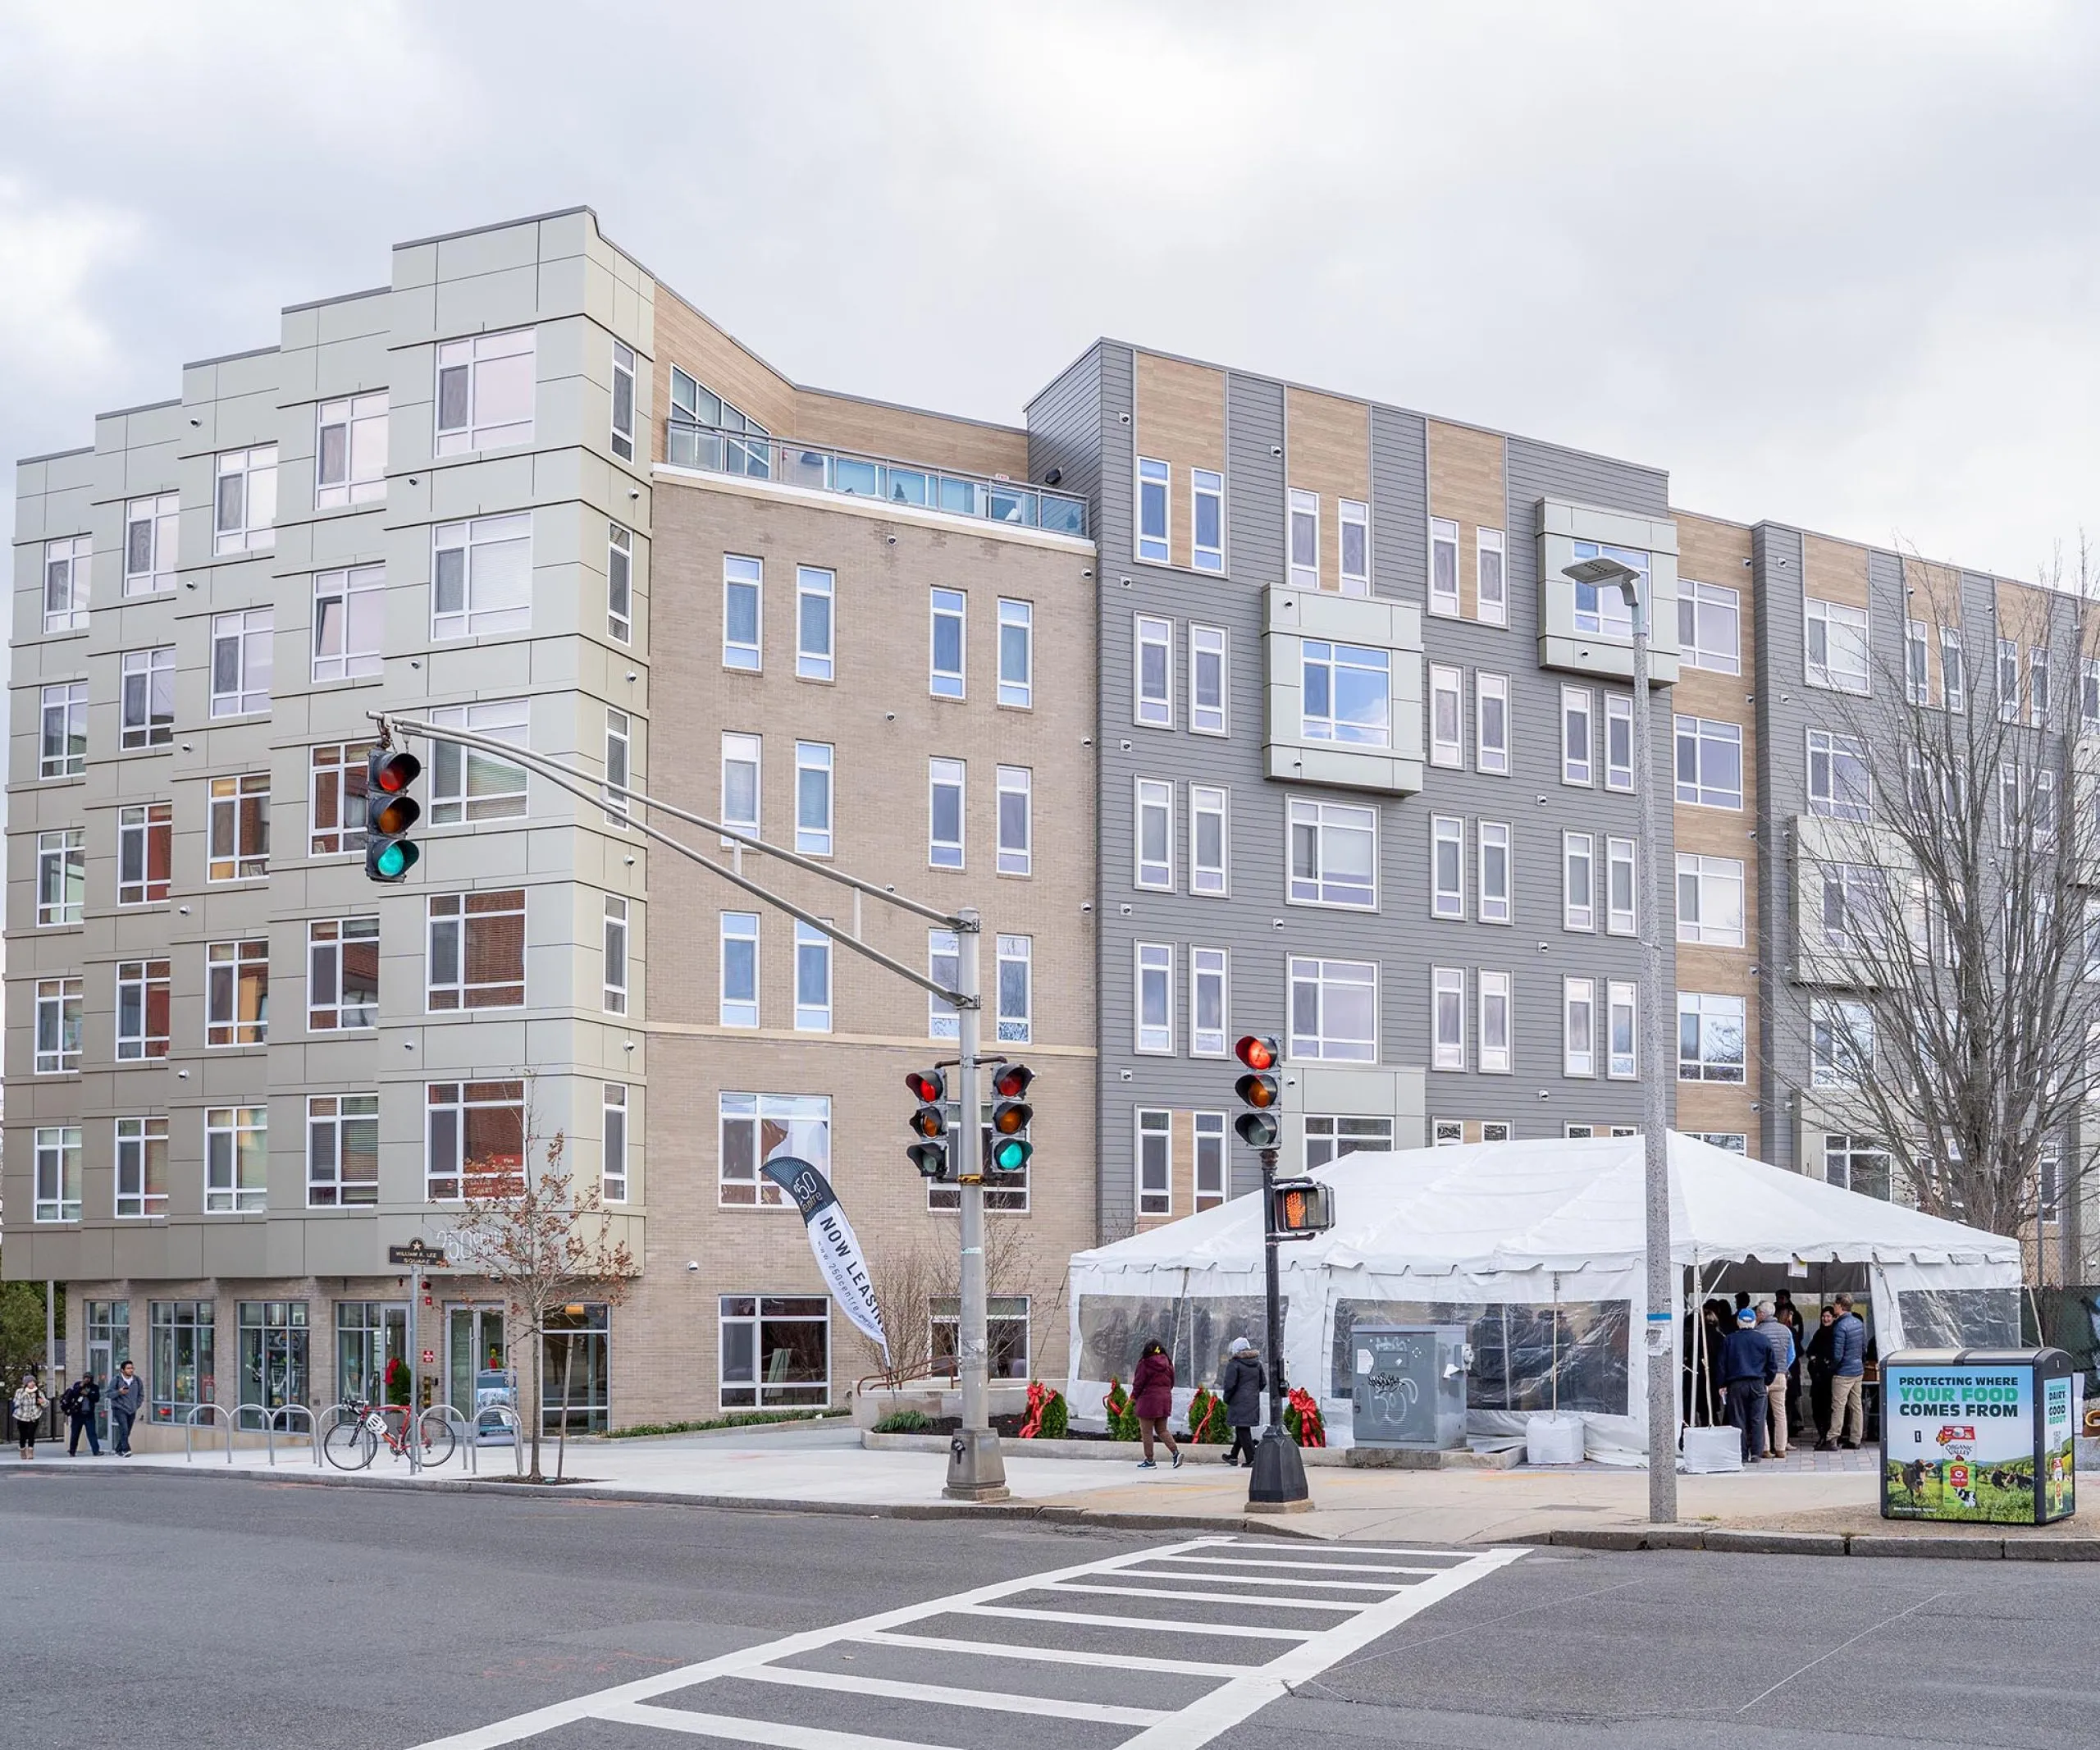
[{"x": 1983, "y": 1435}]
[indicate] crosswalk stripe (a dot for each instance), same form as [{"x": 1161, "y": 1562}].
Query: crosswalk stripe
[
  {"x": 1324, "y": 1567},
  {"x": 1121, "y": 1661},
  {"x": 853, "y": 1683},
  {"x": 1386, "y": 1587},
  {"x": 739, "y": 1729},
  {"x": 1160, "y": 1591},
  {"x": 1156, "y": 1622}
]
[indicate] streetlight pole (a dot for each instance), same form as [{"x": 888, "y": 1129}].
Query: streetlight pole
[
  {"x": 1277, "y": 1483},
  {"x": 1653, "y": 1042},
  {"x": 976, "y": 1471}
]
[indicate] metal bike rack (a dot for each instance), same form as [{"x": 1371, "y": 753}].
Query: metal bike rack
[
  {"x": 269, "y": 1428},
  {"x": 504, "y": 1418},
  {"x": 459, "y": 1423},
  {"x": 190, "y": 1429}
]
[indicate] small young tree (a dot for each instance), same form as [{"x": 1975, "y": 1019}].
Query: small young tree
[
  {"x": 545, "y": 1244},
  {"x": 909, "y": 1279}
]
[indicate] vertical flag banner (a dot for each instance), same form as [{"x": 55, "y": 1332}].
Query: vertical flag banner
[{"x": 833, "y": 1241}]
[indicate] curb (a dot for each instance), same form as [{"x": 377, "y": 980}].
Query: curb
[
  {"x": 1749, "y": 1542},
  {"x": 1047, "y": 1513}
]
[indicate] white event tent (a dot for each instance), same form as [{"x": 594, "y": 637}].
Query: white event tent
[{"x": 1538, "y": 1247}]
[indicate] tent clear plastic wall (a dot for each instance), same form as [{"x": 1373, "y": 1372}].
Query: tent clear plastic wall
[{"x": 1538, "y": 1246}]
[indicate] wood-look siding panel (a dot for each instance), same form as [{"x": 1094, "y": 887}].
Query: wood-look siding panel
[
  {"x": 1327, "y": 450},
  {"x": 687, "y": 339},
  {"x": 1469, "y": 485},
  {"x": 1834, "y": 571},
  {"x": 910, "y": 434},
  {"x": 1180, "y": 419}
]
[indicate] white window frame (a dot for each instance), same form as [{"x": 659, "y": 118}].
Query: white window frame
[
  {"x": 1210, "y": 648},
  {"x": 2088, "y": 695},
  {"x": 1210, "y": 971},
  {"x": 56, "y": 1192},
  {"x": 805, "y": 1121},
  {"x": 1578, "y": 1026},
  {"x": 228, "y": 967},
  {"x": 814, "y": 790},
  {"x": 244, "y": 501},
  {"x": 1447, "y": 715},
  {"x": 942, "y": 774},
  {"x": 1447, "y": 1018},
  {"x": 619, "y": 766},
  {"x": 1443, "y": 567},
  {"x": 1351, "y": 515},
  {"x": 360, "y": 477},
  {"x": 1491, "y": 754},
  {"x": 813, "y": 975},
  {"x": 1206, "y": 486},
  {"x": 67, "y": 564},
  {"x": 1827, "y": 747},
  {"x": 943, "y": 606},
  {"x": 816, "y": 597},
  {"x": 242, "y": 639},
  {"x": 1152, "y": 995},
  {"x": 484, "y": 604},
  {"x": 141, "y": 1153},
  {"x": 1712, "y": 1012},
  {"x": 1017, "y": 654},
  {"x": 1152, "y": 807},
  {"x": 328, "y": 1009},
  {"x": 1620, "y": 867},
  {"x": 1015, "y": 994},
  {"x": 160, "y": 517},
  {"x": 621, "y": 418},
  {"x": 1496, "y": 1007},
  {"x": 1209, "y": 878},
  {"x": 944, "y": 966},
  {"x": 349, "y": 612},
  {"x": 1917, "y": 663},
  {"x": 1320, "y": 975},
  {"x": 449, "y": 919},
  {"x": 468, "y": 362},
  {"x": 1578, "y": 882},
  {"x": 1154, "y": 510},
  {"x": 1302, "y": 517},
  {"x": 1621, "y": 1030},
  {"x": 1619, "y": 716},
  {"x": 470, "y": 785},
  {"x": 1495, "y": 856},
  {"x": 1152, "y": 1159},
  {"x": 1322, "y": 818},
  {"x": 1953, "y": 673},
  {"x": 740, "y": 751},
  {"x": 2008, "y": 673},
  {"x": 237, "y": 1159},
  {"x": 62, "y": 707},
  {"x": 1703, "y": 733},
  {"x": 619, "y": 583},
  {"x": 1491, "y": 605},
  {"x": 1716, "y": 874},
  {"x": 1152, "y": 705},
  {"x": 1830, "y": 1018},
  {"x": 1447, "y": 866},
  {"x": 445, "y": 1178},
  {"x": 59, "y": 1005},
  {"x": 137, "y": 824},
  {"x": 613, "y": 995},
  {"x": 61, "y": 877},
  {"x": 136, "y": 980},
  {"x": 1330, "y": 1135},
  {"x": 1601, "y": 610},
  {"x": 2038, "y": 686},
  {"x": 1694, "y": 601},
  {"x": 1213, "y": 1168},
  {"x": 1577, "y": 721},
  {"x": 1014, "y": 820},
  {"x": 613, "y": 1141},
  {"x": 734, "y": 1008}
]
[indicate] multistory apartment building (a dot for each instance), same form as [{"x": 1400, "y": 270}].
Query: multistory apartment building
[{"x": 524, "y": 490}]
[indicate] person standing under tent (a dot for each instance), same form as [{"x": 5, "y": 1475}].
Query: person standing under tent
[
  {"x": 1848, "y": 1375},
  {"x": 1773, "y": 1330},
  {"x": 1747, "y": 1365}
]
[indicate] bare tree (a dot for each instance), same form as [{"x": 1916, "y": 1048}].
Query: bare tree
[
  {"x": 909, "y": 1279},
  {"x": 1941, "y": 876},
  {"x": 544, "y": 1242}
]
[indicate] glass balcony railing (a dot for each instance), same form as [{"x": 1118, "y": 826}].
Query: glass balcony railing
[{"x": 716, "y": 449}]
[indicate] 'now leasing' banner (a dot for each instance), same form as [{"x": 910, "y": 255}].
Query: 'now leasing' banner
[{"x": 832, "y": 1240}]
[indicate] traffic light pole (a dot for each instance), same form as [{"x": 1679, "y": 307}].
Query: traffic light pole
[
  {"x": 1277, "y": 1483},
  {"x": 976, "y": 1472}
]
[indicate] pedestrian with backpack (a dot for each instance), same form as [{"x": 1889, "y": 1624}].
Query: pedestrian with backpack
[
  {"x": 79, "y": 1400},
  {"x": 29, "y": 1406}
]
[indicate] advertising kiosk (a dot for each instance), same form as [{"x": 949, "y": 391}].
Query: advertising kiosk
[{"x": 1982, "y": 1435}]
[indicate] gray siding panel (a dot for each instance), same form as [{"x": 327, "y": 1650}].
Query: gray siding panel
[
  {"x": 1782, "y": 725},
  {"x": 1399, "y": 504},
  {"x": 1064, "y": 429}
]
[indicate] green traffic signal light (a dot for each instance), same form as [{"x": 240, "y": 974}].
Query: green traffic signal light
[
  {"x": 1011, "y": 1153},
  {"x": 392, "y": 861}
]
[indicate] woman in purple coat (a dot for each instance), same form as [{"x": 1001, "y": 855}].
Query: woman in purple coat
[{"x": 1151, "y": 1401}]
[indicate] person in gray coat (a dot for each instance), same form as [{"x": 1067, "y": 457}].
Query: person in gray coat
[
  {"x": 127, "y": 1397},
  {"x": 1240, "y": 1384}
]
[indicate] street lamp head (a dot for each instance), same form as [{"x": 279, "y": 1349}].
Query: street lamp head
[{"x": 1606, "y": 574}]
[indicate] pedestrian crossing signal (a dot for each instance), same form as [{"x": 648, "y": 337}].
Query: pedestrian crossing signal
[{"x": 1300, "y": 1207}]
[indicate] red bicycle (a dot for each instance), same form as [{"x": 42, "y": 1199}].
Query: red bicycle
[{"x": 362, "y": 1429}]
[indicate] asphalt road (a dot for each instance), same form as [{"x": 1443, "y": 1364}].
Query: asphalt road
[{"x": 187, "y": 1611}]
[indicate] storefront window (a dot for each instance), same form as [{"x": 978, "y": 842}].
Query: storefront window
[
  {"x": 370, "y": 1335},
  {"x": 1006, "y": 1328},
  {"x": 185, "y": 1372},
  {"x": 576, "y": 1383},
  {"x": 109, "y": 1347},
  {"x": 776, "y": 1350},
  {"x": 272, "y": 1359}
]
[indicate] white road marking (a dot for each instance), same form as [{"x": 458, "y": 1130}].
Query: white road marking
[{"x": 1242, "y": 1690}]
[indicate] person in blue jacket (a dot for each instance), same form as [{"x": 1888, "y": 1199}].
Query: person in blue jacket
[
  {"x": 1747, "y": 1365},
  {"x": 1848, "y": 1373}
]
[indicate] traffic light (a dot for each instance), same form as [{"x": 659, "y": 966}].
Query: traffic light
[
  {"x": 389, "y": 813},
  {"x": 929, "y": 1124},
  {"x": 1011, "y": 1113},
  {"x": 1258, "y": 1091},
  {"x": 1300, "y": 1207}
]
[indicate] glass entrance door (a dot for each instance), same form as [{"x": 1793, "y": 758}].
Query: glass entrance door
[
  {"x": 474, "y": 1344},
  {"x": 109, "y": 1347},
  {"x": 370, "y": 1335}
]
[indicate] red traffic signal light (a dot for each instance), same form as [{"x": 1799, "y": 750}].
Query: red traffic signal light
[
  {"x": 929, "y": 1086},
  {"x": 393, "y": 772},
  {"x": 1258, "y": 1051},
  {"x": 1010, "y": 1080}
]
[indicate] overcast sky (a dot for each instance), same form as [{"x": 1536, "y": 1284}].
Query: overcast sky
[{"x": 1831, "y": 264}]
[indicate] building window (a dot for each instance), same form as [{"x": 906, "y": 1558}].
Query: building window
[
  {"x": 350, "y": 619},
  {"x": 739, "y": 1000},
  {"x": 576, "y": 1363},
  {"x": 743, "y": 612},
  {"x": 63, "y": 748},
  {"x": 1354, "y": 520},
  {"x": 1443, "y": 566},
  {"x": 1333, "y": 1010},
  {"x": 1709, "y": 900},
  {"x": 1836, "y": 645},
  {"x": 2088, "y": 695},
  {"x": 1602, "y": 608},
  {"x": 1841, "y": 1042},
  {"x": 1447, "y": 735},
  {"x": 1732, "y": 1142},
  {"x": 482, "y": 578},
  {"x": 1619, "y": 742},
  {"x": 141, "y": 1168},
  {"x": 1622, "y": 1031},
  {"x": 612, "y": 1145},
  {"x": 1447, "y": 864},
  {"x": 349, "y": 451},
  {"x": 273, "y": 1356},
  {"x": 1854, "y": 898},
  {"x": 944, "y": 966},
  {"x": 619, "y": 777},
  {"x": 150, "y": 532},
  {"x": 477, "y": 950},
  {"x": 1853, "y": 1163},
  {"x": 238, "y": 843},
  {"x": 1493, "y": 595},
  {"x": 740, "y": 784},
  {"x": 1209, "y": 702},
  {"x": 1839, "y": 784},
  {"x": 1211, "y": 1174},
  {"x": 1016, "y": 1016},
  {"x": 1154, "y": 840},
  {"x": 1708, "y": 627},
  {"x": 1447, "y": 1133},
  {"x": 1206, "y": 514},
  {"x": 1578, "y": 901},
  {"x": 142, "y": 988},
  {"x": 2008, "y": 680},
  {"x": 236, "y": 993},
  {"x": 1154, "y": 485},
  {"x": 1495, "y": 1023},
  {"x": 244, "y": 501},
  {"x": 2038, "y": 686},
  {"x": 755, "y": 1127},
  {"x": 1709, "y": 763},
  {"x": 58, "y": 1004},
  {"x": 699, "y": 417},
  {"x": 813, "y": 762},
  {"x": 812, "y": 979},
  {"x": 1347, "y": 697},
  {"x": 1017, "y": 654},
  {"x": 1917, "y": 663},
  {"x": 1951, "y": 678},
  {"x": 61, "y": 876},
  {"x": 1210, "y": 1001},
  {"x": 65, "y": 565},
  {"x": 1155, "y": 997},
  {"x": 336, "y": 820},
  {"x": 944, "y": 783},
  {"x": 1447, "y": 1018},
  {"x": 485, "y": 392},
  {"x": 1153, "y": 673},
  {"x": 619, "y": 583},
  {"x": 342, "y": 975},
  {"x": 1493, "y": 837},
  {"x": 623, "y": 420},
  {"x": 775, "y": 1351},
  {"x": 342, "y": 1150},
  {"x": 1619, "y": 888},
  {"x": 145, "y": 852},
  {"x": 1328, "y": 1138},
  {"x": 1210, "y": 837},
  {"x": 950, "y": 643},
  {"x": 1579, "y": 1041},
  {"x": 237, "y": 1159},
  {"x": 612, "y": 996},
  {"x": 815, "y": 593},
  {"x": 474, "y": 1139},
  {"x": 1016, "y": 819},
  {"x": 1576, "y": 736},
  {"x": 1491, "y": 724},
  {"x": 57, "y": 1190},
  {"x": 183, "y": 1371},
  {"x": 1155, "y": 1158},
  {"x": 1304, "y": 516},
  {"x": 1710, "y": 1037},
  {"x": 1334, "y": 854}
]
